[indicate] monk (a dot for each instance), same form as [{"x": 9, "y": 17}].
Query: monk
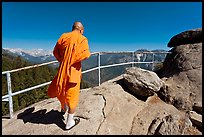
[{"x": 70, "y": 49}]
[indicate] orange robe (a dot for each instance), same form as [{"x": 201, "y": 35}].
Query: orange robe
[{"x": 70, "y": 50}]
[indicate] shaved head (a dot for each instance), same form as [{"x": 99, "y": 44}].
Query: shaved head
[{"x": 77, "y": 26}]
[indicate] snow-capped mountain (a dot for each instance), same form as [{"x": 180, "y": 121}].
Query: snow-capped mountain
[
  {"x": 33, "y": 52},
  {"x": 34, "y": 55},
  {"x": 41, "y": 56}
]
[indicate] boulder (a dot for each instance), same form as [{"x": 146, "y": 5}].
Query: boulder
[
  {"x": 186, "y": 37},
  {"x": 182, "y": 75},
  {"x": 142, "y": 82},
  {"x": 159, "y": 118}
]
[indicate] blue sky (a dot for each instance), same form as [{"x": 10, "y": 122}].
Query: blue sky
[{"x": 109, "y": 26}]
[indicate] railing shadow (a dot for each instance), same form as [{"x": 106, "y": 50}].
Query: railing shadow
[
  {"x": 42, "y": 117},
  {"x": 6, "y": 117}
]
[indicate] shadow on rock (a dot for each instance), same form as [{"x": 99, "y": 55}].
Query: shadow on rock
[
  {"x": 42, "y": 117},
  {"x": 125, "y": 88}
]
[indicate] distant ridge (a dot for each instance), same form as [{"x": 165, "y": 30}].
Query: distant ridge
[
  {"x": 106, "y": 59},
  {"x": 33, "y": 56},
  {"x": 42, "y": 55}
]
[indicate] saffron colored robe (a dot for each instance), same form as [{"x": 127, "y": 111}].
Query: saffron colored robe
[{"x": 70, "y": 50}]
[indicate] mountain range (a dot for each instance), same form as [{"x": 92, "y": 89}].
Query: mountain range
[
  {"x": 33, "y": 56},
  {"x": 38, "y": 56},
  {"x": 42, "y": 55}
]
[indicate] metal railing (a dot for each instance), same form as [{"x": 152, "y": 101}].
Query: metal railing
[{"x": 9, "y": 96}]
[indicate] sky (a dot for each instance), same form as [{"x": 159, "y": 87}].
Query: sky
[{"x": 109, "y": 26}]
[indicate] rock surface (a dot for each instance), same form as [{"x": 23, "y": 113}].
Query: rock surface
[
  {"x": 104, "y": 110},
  {"x": 182, "y": 74},
  {"x": 142, "y": 82},
  {"x": 186, "y": 37},
  {"x": 196, "y": 119},
  {"x": 107, "y": 109},
  {"x": 159, "y": 118}
]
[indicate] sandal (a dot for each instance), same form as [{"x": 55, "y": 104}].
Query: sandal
[{"x": 76, "y": 120}]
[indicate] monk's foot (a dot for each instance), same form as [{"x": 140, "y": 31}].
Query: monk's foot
[{"x": 72, "y": 123}]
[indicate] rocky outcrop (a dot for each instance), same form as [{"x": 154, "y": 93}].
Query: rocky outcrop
[
  {"x": 105, "y": 110},
  {"x": 159, "y": 118},
  {"x": 113, "y": 115},
  {"x": 182, "y": 72},
  {"x": 142, "y": 82},
  {"x": 186, "y": 37}
]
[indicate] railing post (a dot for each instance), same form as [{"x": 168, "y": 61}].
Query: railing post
[
  {"x": 99, "y": 68},
  {"x": 10, "y": 95},
  {"x": 152, "y": 61},
  {"x": 133, "y": 59}
]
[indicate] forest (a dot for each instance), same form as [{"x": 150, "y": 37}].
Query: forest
[{"x": 24, "y": 79}]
